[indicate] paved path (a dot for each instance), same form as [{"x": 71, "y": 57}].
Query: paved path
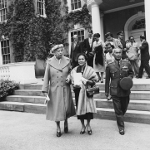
[{"x": 25, "y": 131}]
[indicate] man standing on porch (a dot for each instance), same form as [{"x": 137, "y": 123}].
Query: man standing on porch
[
  {"x": 122, "y": 41},
  {"x": 144, "y": 48}
]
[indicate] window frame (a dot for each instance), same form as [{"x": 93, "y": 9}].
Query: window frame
[
  {"x": 38, "y": 8},
  {"x": 6, "y": 55},
  {"x": 77, "y": 30},
  {"x": 3, "y": 11},
  {"x": 74, "y": 4}
]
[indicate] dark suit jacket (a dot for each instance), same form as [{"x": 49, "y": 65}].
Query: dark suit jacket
[
  {"x": 124, "y": 56},
  {"x": 86, "y": 46},
  {"x": 116, "y": 73},
  {"x": 144, "y": 48},
  {"x": 74, "y": 53}
]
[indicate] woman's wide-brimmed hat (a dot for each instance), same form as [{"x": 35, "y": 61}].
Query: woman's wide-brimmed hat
[{"x": 54, "y": 48}]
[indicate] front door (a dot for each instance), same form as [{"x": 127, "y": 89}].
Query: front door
[{"x": 136, "y": 34}]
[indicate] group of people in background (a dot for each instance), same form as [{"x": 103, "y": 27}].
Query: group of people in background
[
  {"x": 100, "y": 53},
  {"x": 92, "y": 58}
]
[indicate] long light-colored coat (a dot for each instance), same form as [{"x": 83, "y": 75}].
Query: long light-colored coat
[{"x": 61, "y": 104}]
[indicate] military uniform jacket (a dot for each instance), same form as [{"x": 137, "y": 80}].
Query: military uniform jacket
[{"x": 114, "y": 73}]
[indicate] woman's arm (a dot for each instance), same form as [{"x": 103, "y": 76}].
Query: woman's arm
[{"x": 46, "y": 79}]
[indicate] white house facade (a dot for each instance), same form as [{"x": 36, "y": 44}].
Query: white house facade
[{"x": 130, "y": 16}]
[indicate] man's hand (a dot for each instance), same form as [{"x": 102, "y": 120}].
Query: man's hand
[{"x": 108, "y": 96}]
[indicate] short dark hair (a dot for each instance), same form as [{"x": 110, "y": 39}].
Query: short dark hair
[
  {"x": 131, "y": 37},
  {"x": 142, "y": 37},
  {"x": 82, "y": 54},
  {"x": 90, "y": 31},
  {"x": 120, "y": 32},
  {"x": 110, "y": 45},
  {"x": 108, "y": 34},
  {"x": 96, "y": 35}
]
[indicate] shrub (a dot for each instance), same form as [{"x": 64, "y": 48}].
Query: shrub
[{"x": 7, "y": 87}]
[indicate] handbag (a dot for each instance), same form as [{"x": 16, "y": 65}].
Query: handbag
[
  {"x": 92, "y": 90},
  {"x": 90, "y": 55}
]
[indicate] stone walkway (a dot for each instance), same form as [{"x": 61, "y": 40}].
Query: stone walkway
[{"x": 25, "y": 131}]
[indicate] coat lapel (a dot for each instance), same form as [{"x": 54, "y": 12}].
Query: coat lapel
[{"x": 55, "y": 64}]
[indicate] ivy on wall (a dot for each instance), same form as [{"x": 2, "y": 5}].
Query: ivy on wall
[
  {"x": 32, "y": 34},
  {"x": 81, "y": 17}
]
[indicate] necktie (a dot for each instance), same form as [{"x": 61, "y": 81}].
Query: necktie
[{"x": 119, "y": 64}]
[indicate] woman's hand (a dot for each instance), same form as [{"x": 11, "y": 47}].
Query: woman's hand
[
  {"x": 84, "y": 81},
  {"x": 46, "y": 98},
  {"x": 67, "y": 80}
]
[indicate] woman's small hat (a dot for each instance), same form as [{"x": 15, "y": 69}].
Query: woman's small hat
[{"x": 54, "y": 48}]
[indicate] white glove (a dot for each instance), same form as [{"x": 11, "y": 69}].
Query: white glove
[
  {"x": 47, "y": 99},
  {"x": 84, "y": 81}
]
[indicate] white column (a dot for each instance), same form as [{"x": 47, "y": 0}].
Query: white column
[
  {"x": 1, "y": 58},
  {"x": 95, "y": 18},
  {"x": 97, "y": 21},
  {"x": 147, "y": 21},
  {"x": 102, "y": 27}
]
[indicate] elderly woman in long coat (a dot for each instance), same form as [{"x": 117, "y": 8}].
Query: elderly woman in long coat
[{"x": 60, "y": 106}]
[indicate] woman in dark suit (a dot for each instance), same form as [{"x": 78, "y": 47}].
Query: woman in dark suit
[
  {"x": 60, "y": 106},
  {"x": 85, "y": 103}
]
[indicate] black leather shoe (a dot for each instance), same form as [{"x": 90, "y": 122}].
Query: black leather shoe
[
  {"x": 82, "y": 131},
  {"x": 58, "y": 134},
  {"x": 121, "y": 132},
  {"x": 66, "y": 129},
  {"x": 90, "y": 132},
  {"x": 138, "y": 77}
]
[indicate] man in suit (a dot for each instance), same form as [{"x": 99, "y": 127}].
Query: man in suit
[
  {"x": 144, "y": 50},
  {"x": 76, "y": 48},
  {"x": 116, "y": 71},
  {"x": 87, "y": 47},
  {"x": 120, "y": 38}
]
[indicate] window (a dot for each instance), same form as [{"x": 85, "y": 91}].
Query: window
[
  {"x": 80, "y": 34},
  {"x": 75, "y": 4},
  {"x": 3, "y": 10},
  {"x": 5, "y": 51},
  {"x": 139, "y": 24},
  {"x": 41, "y": 7}
]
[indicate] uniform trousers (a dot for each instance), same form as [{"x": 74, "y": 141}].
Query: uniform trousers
[
  {"x": 144, "y": 64},
  {"x": 120, "y": 107}
]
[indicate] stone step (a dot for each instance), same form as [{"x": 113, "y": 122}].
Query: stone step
[
  {"x": 143, "y": 105},
  {"x": 145, "y": 86},
  {"x": 30, "y": 86},
  {"x": 26, "y": 99},
  {"x": 102, "y": 113},
  {"x": 100, "y": 103},
  {"x": 28, "y": 92},
  {"x": 130, "y": 116},
  {"x": 135, "y": 95},
  {"x": 23, "y": 107}
]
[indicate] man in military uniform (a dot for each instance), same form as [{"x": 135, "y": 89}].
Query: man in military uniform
[{"x": 116, "y": 71}]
